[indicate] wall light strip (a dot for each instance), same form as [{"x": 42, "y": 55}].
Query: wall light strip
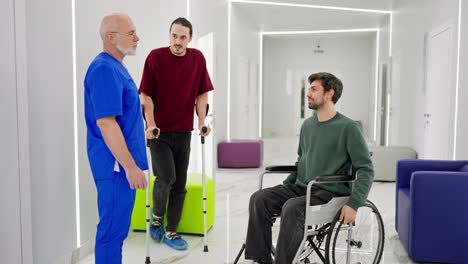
[
  {"x": 377, "y": 48},
  {"x": 228, "y": 103},
  {"x": 390, "y": 36},
  {"x": 388, "y": 101},
  {"x": 313, "y": 6},
  {"x": 270, "y": 33},
  {"x": 75, "y": 128},
  {"x": 457, "y": 80},
  {"x": 260, "y": 89}
]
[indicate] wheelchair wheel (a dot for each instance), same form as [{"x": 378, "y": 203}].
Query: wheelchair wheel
[{"x": 363, "y": 242}]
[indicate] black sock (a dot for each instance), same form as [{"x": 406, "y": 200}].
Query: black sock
[{"x": 157, "y": 221}]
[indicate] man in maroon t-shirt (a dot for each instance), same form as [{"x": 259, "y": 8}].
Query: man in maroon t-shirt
[{"x": 174, "y": 80}]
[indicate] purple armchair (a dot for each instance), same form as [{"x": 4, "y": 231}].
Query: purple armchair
[{"x": 432, "y": 209}]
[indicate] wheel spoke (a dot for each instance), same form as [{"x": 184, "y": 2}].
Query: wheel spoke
[{"x": 366, "y": 240}]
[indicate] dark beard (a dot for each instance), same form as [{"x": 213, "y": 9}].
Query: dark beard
[{"x": 313, "y": 106}]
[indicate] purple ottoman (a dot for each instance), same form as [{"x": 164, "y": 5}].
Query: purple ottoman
[{"x": 240, "y": 154}]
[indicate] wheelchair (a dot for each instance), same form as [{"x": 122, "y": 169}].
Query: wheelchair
[{"x": 333, "y": 242}]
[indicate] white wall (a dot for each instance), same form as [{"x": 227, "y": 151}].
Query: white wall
[
  {"x": 355, "y": 62},
  {"x": 215, "y": 22},
  {"x": 245, "y": 55},
  {"x": 50, "y": 95},
  {"x": 462, "y": 122},
  {"x": 412, "y": 20},
  {"x": 10, "y": 219},
  {"x": 15, "y": 195}
]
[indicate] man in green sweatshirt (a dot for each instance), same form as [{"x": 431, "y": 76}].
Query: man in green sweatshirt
[{"x": 329, "y": 144}]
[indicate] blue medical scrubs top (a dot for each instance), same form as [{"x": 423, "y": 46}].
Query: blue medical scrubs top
[{"x": 110, "y": 91}]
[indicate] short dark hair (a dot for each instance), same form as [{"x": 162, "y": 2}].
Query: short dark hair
[
  {"x": 183, "y": 22},
  {"x": 329, "y": 82}
]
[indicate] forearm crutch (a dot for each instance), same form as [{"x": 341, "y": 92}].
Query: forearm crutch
[
  {"x": 204, "y": 130},
  {"x": 148, "y": 207}
]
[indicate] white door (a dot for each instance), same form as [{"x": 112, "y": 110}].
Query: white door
[
  {"x": 252, "y": 118},
  {"x": 244, "y": 112},
  {"x": 299, "y": 85},
  {"x": 206, "y": 45},
  {"x": 394, "y": 100},
  {"x": 240, "y": 95},
  {"x": 439, "y": 93},
  {"x": 384, "y": 111}
]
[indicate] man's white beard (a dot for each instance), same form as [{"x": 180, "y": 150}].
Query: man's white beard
[{"x": 125, "y": 51}]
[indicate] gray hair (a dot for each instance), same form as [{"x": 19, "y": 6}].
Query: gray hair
[{"x": 110, "y": 23}]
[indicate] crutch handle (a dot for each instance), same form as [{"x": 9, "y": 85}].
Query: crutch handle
[
  {"x": 204, "y": 129},
  {"x": 156, "y": 131}
]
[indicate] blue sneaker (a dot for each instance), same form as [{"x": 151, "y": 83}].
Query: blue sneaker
[
  {"x": 173, "y": 240},
  {"x": 157, "y": 231}
]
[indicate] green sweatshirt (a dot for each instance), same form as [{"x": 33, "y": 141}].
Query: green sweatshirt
[{"x": 334, "y": 147}]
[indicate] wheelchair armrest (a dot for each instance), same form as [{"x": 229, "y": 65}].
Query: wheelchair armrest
[
  {"x": 328, "y": 179},
  {"x": 335, "y": 178},
  {"x": 281, "y": 168},
  {"x": 273, "y": 170}
]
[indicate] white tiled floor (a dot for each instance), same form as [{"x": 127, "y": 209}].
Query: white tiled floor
[{"x": 233, "y": 187}]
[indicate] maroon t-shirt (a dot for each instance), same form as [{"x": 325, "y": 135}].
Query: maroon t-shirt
[{"x": 173, "y": 83}]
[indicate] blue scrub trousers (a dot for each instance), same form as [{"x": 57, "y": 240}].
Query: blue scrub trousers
[{"x": 115, "y": 205}]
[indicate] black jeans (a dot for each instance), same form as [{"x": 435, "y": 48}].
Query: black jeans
[
  {"x": 170, "y": 155},
  {"x": 289, "y": 200}
]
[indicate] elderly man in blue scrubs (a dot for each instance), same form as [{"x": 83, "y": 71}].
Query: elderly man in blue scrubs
[{"x": 116, "y": 136}]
